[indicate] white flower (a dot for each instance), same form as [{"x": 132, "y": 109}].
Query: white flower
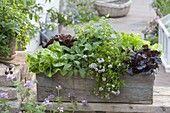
[
  {"x": 61, "y": 109},
  {"x": 109, "y": 57},
  {"x": 100, "y": 89},
  {"x": 113, "y": 85},
  {"x": 103, "y": 79},
  {"x": 85, "y": 56},
  {"x": 114, "y": 92},
  {"x": 110, "y": 66},
  {"x": 103, "y": 70},
  {"x": 117, "y": 93},
  {"x": 96, "y": 69},
  {"x": 58, "y": 87},
  {"x": 100, "y": 71},
  {"x": 93, "y": 65},
  {"x": 100, "y": 60},
  {"x": 108, "y": 89},
  {"x": 107, "y": 84}
]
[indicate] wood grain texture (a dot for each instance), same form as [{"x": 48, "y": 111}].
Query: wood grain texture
[{"x": 139, "y": 89}]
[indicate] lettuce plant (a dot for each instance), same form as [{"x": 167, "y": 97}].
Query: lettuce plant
[{"x": 49, "y": 60}]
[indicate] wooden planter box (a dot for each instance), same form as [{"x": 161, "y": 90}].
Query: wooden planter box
[{"x": 139, "y": 89}]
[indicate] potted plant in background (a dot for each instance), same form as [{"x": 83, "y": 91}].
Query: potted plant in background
[
  {"x": 151, "y": 30},
  {"x": 15, "y": 26}
]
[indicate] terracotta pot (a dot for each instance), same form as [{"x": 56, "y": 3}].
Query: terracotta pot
[{"x": 12, "y": 46}]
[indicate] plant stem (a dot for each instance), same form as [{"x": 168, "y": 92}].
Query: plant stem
[{"x": 8, "y": 62}]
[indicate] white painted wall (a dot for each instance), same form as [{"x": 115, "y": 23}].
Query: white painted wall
[{"x": 34, "y": 43}]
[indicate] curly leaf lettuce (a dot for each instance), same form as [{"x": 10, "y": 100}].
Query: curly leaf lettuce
[{"x": 49, "y": 60}]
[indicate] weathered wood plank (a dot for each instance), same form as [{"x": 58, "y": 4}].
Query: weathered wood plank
[
  {"x": 117, "y": 108},
  {"x": 139, "y": 89}
]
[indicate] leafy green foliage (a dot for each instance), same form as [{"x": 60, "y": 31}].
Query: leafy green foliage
[
  {"x": 128, "y": 41},
  {"x": 107, "y": 67},
  {"x": 49, "y": 60},
  {"x": 161, "y": 7}
]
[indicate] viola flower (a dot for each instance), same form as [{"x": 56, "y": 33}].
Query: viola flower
[
  {"x": 84, "y": 102},
  {"x": 58, "y": 87},
  {"x": 4, "y": 95},
  {"x": 61, "y": 109},
  {"x": 29, "y": 84},
  {"x": 47, "y": 100}
]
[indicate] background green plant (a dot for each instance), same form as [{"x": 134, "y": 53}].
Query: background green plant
[
  {"x": 161, "y": 7},
  {"x": 15, "y": 24},
  {"x": 79, "y": 11}
]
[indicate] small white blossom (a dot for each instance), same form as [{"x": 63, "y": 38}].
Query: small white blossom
[
  {"x": 103, "y": 70},
  {"x": 108, "y": 89},
  {"x": 100, "y": 60},
  {"x": 114, "y": 92},
  {"x": 85, "y": 56},
  {"x": 113, "y": 85},
  {"x": 103, "y": 79},
  {"x": 109, "y": 57},
  {"x": 110, "y": 66},
  {"x": 117, "y": 93},
  {"x": 100, "y": 71},
  {"x": 100, "y": 89},
  {"x": 100, "y": 66},
  {"x": 96, "y": 69},
  {"x": 58, "y": 87},
  {"x": 93, "y": 65},
  {"x": 61, "y": 109}
]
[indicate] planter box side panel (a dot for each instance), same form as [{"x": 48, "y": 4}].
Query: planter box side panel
[{"x": 139, "y": 89}]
